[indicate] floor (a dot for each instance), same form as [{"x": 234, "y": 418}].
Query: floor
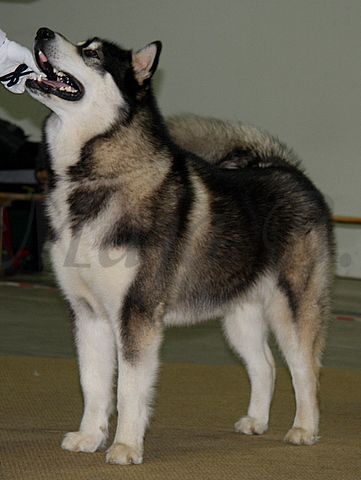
[{"x": 34, "y": 321}]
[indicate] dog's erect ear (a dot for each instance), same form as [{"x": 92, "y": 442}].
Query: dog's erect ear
[{"x": 145, "y": 61}]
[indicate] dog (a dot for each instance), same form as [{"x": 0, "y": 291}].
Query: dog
[{"x": 146, "y": 234}]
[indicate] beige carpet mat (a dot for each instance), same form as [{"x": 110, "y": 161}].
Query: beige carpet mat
[{"x": 191, "y": 433}]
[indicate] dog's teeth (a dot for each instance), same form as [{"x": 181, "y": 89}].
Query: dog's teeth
[
  {"x": 61, "y": 74},
  {"x": 63, "y": 89},
  {"x": 70, "y": 89}
]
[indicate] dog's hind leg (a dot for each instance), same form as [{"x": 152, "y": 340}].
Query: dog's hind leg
[
  {"x": 96, "y": 354},
  {"x": 299, "y": 327},
  {"x": 246, "y": 331}
]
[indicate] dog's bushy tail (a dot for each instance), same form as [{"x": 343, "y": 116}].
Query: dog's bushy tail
[{"x": 229, "y": 144}]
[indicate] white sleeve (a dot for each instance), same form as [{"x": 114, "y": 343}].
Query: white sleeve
[
  {"x": 2, "y": 37},
  {"x": 12, "y": 55}
]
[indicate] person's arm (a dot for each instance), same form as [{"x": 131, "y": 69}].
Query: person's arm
[{"x": 13, "y": 60}]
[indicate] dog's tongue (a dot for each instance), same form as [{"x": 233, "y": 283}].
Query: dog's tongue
[{"x": 54, "y": 83}]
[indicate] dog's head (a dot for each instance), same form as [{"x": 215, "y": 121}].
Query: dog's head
[{"x": 91, "y": 74}]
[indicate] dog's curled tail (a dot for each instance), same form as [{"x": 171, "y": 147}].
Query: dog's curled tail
[{"x": 229, "y": 144}]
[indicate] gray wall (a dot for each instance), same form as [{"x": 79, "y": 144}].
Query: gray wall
[{"x": 290, "y": 66}]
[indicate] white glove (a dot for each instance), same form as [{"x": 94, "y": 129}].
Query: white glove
[{"x": 12, "y": 55}]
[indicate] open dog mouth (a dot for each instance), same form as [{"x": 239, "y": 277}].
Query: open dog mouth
[{"x": 55, "y": 82}]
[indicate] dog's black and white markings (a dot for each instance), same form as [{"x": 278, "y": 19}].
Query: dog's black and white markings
[{"x": 148, "y": 234}]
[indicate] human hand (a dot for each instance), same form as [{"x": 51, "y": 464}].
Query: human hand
[{"x": 13, "y": 57}]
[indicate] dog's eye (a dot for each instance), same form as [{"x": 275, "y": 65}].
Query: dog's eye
[{"x": 90, "y": 53}]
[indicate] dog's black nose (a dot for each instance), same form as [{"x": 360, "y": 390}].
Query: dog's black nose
[{"x": 45, "y": 34}]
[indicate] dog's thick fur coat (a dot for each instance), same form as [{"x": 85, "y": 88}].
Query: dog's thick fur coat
[{"x": 146, "y": 234}]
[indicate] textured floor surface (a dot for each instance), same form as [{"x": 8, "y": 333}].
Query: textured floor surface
[{"x": 191, "y": 433}]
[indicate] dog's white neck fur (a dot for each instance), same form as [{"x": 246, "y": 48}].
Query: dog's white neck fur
[
  {"x": 73, "y": 123},
  {"x": 68, "y": 131}
]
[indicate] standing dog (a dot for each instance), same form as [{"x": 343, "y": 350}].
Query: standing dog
[{"x": 146, "y": 234}]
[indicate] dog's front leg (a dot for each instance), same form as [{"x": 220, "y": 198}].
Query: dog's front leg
[
  {"x": 137, "y": 368},
  {"x": 96, "y": 354}
]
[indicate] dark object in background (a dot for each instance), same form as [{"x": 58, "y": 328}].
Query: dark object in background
[
  {"x": 17, "y": 153},
  {"x": 11, "y": 139},
  {"x": 18, "y": 161}
]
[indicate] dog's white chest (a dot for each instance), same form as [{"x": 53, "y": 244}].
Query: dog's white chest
[{"x": 101, "y": 276}]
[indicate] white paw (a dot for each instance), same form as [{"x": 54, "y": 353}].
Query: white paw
[
  {"x": 250, "y": 426},
  {"x": 82, "y": 442},
  {"x": 300, "y": 436},
  {"x": 124, "y": 454}
]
